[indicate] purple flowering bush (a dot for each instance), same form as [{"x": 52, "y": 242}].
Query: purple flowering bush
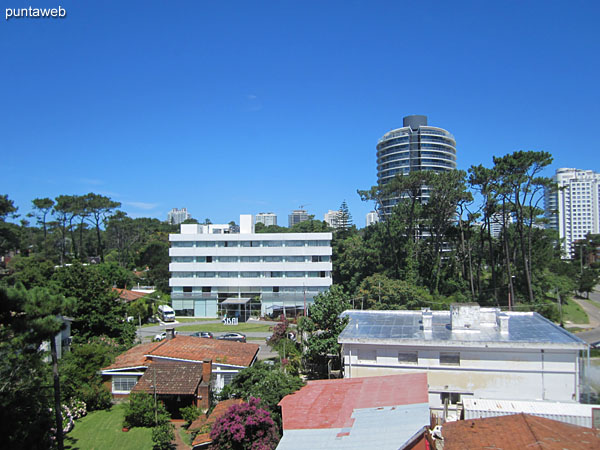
[{"x": 245, "y": 427}]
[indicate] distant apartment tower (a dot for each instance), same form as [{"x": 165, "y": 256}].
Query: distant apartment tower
[
  {"x": 332, "y": 218},
  {"x": 414, "y": 147},
  {"x": 573, "y": 208},
  {"x": 297, "y": 216},
  {"x": 496, "y": 223},
  {"x": 177, "y": 216},
  {"x": 371, "y": 218},
  {"x": 267, "y": 219}
]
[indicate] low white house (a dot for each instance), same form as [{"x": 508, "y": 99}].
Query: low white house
[{"x": 468, "y": 352}]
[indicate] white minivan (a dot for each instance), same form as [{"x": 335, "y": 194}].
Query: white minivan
[{"x": 166, "y": 313}]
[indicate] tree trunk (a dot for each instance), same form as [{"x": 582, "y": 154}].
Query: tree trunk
[{"x": 57, "y": 405}]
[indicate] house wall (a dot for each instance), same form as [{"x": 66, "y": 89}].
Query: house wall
[{"x": 509, "y": 373}]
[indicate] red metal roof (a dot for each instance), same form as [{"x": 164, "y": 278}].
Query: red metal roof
[
  {"x": 330, "y": 403},
  {"x": 516, "y": 432}
]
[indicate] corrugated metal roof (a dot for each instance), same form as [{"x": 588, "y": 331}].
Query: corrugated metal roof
[
  {"x": 573, "y": 413},
  {"x": 524, "y": 329},
  {"x": 381, "y": 428}
]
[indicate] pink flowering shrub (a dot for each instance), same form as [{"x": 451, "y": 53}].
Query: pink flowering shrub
[{"x": 245, "y": 427}]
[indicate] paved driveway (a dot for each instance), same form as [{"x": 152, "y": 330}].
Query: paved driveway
[{"x": 593, "y": 312}]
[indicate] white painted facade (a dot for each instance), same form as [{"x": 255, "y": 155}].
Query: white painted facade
[
  {"x": 279, "y": 268},
  {"x": 332, "y": 218},
  {"x": 177, "y": 216},
  {"x": 490, "y": 355},
  {"x": 371, "y": 218},
  {"x": 574, "y": 209}
]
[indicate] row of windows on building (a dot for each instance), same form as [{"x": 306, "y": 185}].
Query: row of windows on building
[
  {"x": 264, "y": 289},
  {"x": 275, "y": 274},
  {"x": 286, "y": 243},
  {"x": 410, "y": 358},
  {"x": 251, "y": 259}
]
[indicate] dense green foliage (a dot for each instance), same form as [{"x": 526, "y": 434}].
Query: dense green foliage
[
  {"x": 264, "y": 381},
  {"x": 143, "y": 412}
]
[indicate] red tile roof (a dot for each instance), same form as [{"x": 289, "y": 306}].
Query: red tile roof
[
  {"x": 516, "y": 432},
  {"x": 172, "y": 378},
  {"x": 208, "y": 421},
  {"x": 330, "y": 403},
  {"x": 128, "y": 296},
  {"x": 199, "y": 349},
  {"x": 134, "y": 357}
]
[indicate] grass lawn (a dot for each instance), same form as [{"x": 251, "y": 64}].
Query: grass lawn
[
  {"x": 191, "y": 319},
  {"x": 219, "y": 327},
  {"x": 573, "y": 313},
  {"x": 103, "y": 430}
]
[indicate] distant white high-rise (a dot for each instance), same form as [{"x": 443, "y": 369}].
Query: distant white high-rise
[
  {"x": 332, "y": 218},
  {"x": 177, "y": 216},
  {"x": 573, "y": 208},
  {"x": 496, "y": 223},
  {"x": 372, "y": 217},
  {"x": 297, "y": 216},
  {"x": 266, "y": 218}
]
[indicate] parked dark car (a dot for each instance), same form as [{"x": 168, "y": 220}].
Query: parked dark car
[
  {"x": 239, "y": 337},
  {"x": 203, "y": 334}
]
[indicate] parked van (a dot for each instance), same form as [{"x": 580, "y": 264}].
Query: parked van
[{"x": 166, "y": 313}]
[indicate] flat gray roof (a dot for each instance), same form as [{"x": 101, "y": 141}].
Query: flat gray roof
[{"x": 525, "y": 329}]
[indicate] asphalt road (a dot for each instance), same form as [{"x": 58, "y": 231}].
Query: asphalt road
[
  {"x": 146, "y": 334},
  {"x": 593, "y": 312}
]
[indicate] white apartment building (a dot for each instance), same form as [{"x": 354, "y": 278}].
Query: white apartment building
[
  {"x": 297, "y": 216},
  {"x": 177, "y": 216},
  {"x": 371, "y": 218},
  {"x": 468, "y": 352},
  {"x": 266, "y": 218},
  {"x": 573, "y": 208},
  {"x": 332, "y": 218},
  {"x": 210, "y": 265}
]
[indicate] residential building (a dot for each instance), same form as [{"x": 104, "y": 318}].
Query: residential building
[
  {"x": 371, "y": 218},
  {"x": 177, "y": 216},
  {"x": 227, "y": 358},
  {"x": 573, "y": 206},
  {"x": 467, "y": 352},
  {"x": 267, "y": 219},
  {"x": 414, "y": 147},
  {"x": 177, "y": 384},
  {"x": 388, "y": 412},
  {"x": 332, "y": 218},
  {"x": 517, "y": 432},
  {"x": 282, "y": 270},
  {"x": 297, "y": 216}
]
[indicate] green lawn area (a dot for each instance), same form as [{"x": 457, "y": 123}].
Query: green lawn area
[
  {"x": 219, "y": 327},
  {"x": 573, "y": 313},
  {"x": 191, "y": 319},
  {"x": 101, "y": 430}
]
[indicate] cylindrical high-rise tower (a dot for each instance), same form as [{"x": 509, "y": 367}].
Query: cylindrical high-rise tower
[{"x": 415, "y": 146}]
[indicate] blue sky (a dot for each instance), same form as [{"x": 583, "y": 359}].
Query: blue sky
[{"x": 240, "y": 107}]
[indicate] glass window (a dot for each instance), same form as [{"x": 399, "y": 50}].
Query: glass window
[
  {"x": 272, "y": 243},
  {"x": 407, "y": 357},
  {"x": 294, "y": 274},
  {"x": 272, "y": 258},
  {"x": 294, "y": 243},
  {"x": 227, "y": 259},
  {"x": 250, "y": 274},
  {"x": 294, "y": 258},
  {"x": 249, "y": 258},
  {"x": 449, "y": 358},
  {"x": 177, "y": 244},
  {"x": 276, "y": 274},
  {"x": 124, "y": 384}
]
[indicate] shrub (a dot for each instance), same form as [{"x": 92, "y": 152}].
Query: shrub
[
  {"x": 245, "y": 426},
  {"x": 162, "y": 436},
  {"x": 189, "y": 414},
  {"x": 140, "y": 411}
]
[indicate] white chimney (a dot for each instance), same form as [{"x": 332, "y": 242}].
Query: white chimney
[{"x": 246, "y": 224}]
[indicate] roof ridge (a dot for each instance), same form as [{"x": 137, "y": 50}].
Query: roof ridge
[{"x": 528, "y": 426}]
